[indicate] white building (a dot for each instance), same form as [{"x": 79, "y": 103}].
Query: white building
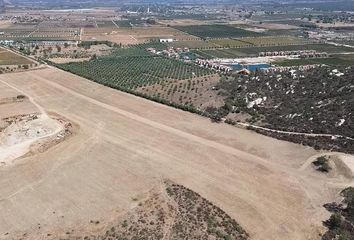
[{"x": 166, "y": 40}]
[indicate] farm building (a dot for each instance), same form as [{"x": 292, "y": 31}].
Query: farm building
[
  {"x": 7, "y": 42},
  {"x": 166, "y": 40}
]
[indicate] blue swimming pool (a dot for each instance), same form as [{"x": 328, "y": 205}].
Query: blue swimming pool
[{"x": 251, "y": 67}]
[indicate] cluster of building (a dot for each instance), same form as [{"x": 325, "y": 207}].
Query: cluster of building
[
  {"x": 166, "y": 40},
  {"x": 213, "y": 65},
  {"x": 328, "y": 35},
  {"x": 314, "y": 54},
  {"x": 299, "y": 53},
  {"x": 178, "y": 53},
  {"x": 7, "y": 42},
  {"x": 37, "y": 43},
  {"x": 289, "y": 69}
]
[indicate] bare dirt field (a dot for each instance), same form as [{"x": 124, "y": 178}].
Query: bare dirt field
[
  {"x": 60, "y": 60},
  {"x": 182, "y": 22},
  {"x": 124, "y": 147},
  {"x": 134, "y": 35},
  {"x": 10, "y": 58},
  {"x": 277, "y": 26}
]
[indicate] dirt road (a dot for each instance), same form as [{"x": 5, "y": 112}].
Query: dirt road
[{"x": 126, "y": 145}]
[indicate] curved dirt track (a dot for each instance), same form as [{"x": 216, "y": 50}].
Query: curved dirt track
[{"x": 126, "y": 145}]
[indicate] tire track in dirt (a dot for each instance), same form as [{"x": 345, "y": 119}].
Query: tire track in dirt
[{"x": 180, "y": 133}]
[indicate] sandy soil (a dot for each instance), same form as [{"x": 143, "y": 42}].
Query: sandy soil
[
  {"x": 182, "y": 22},
  {"x": 16, "y": 139},
  {"x": 124, "y": 147},
  {"x": 134, "y": 35},
  {"x": 276, "y": 26},
  {"x": 5, "y": 23},
  {"x": 331, "y": 25},
  {"x": 68, "y": 60}
]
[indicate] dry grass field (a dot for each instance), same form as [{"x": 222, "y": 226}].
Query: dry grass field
[
  {"x": 133, "y": 35},
  {"x": 10, "y": 58},
  {"x": 275, "y": 41},
  {"x": 122, "y": 149},
  {"x": 182, "y": 22},
  {"x": 194, "y": 44}
]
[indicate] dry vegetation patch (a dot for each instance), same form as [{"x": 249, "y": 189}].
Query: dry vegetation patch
[
  {"x": 197, "y": 92},
  {"x": 10, "y": 58},
  {"x": 175, "y": 213},
  {"x": 134, "y": 35}
]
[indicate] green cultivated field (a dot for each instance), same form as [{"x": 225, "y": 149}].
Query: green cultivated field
[
  {"x": 259, "y": 41},
  {"x": 231, "y": 43},
  {"x": 105, "y": 24},
  {"x": 254, "y": 51},
  {"x": 202, "y": 54},
  {"x": 336, "y": 60},
  {"x": 157, "y": 45},
  {"x": 126, "y": 71},
  {"x": 123, "y": 23},
  {"x": 217, "y": 31},
  {"x": 275, "y": 41},
  {"x": 195, "y": 44},
  {"x": 295, "y": 22}
]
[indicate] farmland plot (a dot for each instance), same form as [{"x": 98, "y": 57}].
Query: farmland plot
[
  {"x": 216, "y": 31},
  {"x": 125, "y": 70},
  {"x": 194, "y": 44},
  {"x": 254, "y": 51},
  {"x": 231, "y": 43},
  {"x": 275, "y": 41},
  {"x": 10, "y": 58},
  {"x": 259, "y": 41},
  {"x": 105, "y": 24},
  {"x": 134, "y": 35},
  {"x": 162, "y": 79}
]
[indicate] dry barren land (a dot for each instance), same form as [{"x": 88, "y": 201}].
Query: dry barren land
[{"x": 123, "y": 147}]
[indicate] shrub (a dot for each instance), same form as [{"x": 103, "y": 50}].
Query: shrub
[
  {"x": 322, "y": 165},
  {"x": 21, "y": 96},
  {"x": 334, "y": 221}
]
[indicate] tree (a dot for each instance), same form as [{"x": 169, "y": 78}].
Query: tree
[
  {"x": 334, "y": 221},
  {"x": 348, "y": 195}
]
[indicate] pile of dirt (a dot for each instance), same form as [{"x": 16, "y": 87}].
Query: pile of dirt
[{"x": 24, "y": 134}]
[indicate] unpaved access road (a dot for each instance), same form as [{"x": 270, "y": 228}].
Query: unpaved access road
[{"x": 125, "y": 145}]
